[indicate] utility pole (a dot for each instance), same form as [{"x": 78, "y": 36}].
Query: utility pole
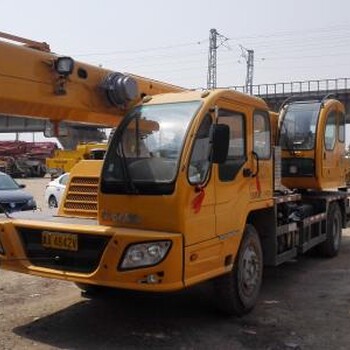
[
  {"x": 212, "y": 62},
  {"x": 248, "y": 55},
  {"x": 211, "y": 80}
]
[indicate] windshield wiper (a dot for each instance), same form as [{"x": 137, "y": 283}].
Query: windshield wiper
[
  {"x": 119, "y": 150},
  {"x": 131, "y": 188}
]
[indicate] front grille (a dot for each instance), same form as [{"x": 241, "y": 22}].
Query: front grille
[
  {"x": 79, "y": 188},
  {"x": 11, "y": 206},
  {"x": 85, "y": 260},
  {"x": 81, "y": 197},
  {"x": 82, "y": 206},
  {"x": 86, "y": 180}
]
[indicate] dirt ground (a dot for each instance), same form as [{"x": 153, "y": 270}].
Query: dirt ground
[{"x": 304, "y": 304}]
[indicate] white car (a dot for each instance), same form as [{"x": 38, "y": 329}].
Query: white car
[{"x": 55, "y": 189}]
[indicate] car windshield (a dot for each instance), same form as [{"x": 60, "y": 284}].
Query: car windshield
[
  {"x": 147, "y": 149},
  {"x": 298, "y": 126},
  {"x": 7, "y": 183}
]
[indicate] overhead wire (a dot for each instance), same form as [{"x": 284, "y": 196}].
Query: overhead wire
[
  {"x": 133, "y": 51},
  {"x": 276, "y": 47}
]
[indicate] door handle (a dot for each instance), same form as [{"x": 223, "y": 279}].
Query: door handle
[{"x": 247, "y": 172}]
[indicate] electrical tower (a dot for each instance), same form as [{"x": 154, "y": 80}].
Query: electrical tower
[
  {"x": 214, "y": 37},
  {"x": 248, "y": 55},
  {"x": 211, "y": 80}
]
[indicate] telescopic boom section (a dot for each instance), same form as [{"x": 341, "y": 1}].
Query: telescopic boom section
[{"x": 37, "y": 83}]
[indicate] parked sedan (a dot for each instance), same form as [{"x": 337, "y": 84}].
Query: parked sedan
[
  {"x": 55, "y": 189},
  {"x": 12, "y": 196}
]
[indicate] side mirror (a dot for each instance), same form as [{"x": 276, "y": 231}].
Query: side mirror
[
  {"x": 220, "y": 141},
  {"x": 22, "y": 185}
]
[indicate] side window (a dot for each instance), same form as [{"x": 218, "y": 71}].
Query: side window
[
  {"x": 237, "y": 148},
  {"x": 200, "y": 157},
  {"x": 341, "y": 135},
  {"x": 330, "y": 132},
  {"x": 262, "y": 135}
]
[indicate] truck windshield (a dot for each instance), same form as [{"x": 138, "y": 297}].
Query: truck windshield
[
  {"x": 298, "y": 127},
  {"x": 143, "y": 156}
]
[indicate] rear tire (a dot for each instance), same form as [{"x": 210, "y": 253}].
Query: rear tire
[
  {"x": 331, "y": 246},
  {"x": 238, "y": 290}
]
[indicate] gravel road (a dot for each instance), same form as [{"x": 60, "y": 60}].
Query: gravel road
[{"x": 304, "y": 304}]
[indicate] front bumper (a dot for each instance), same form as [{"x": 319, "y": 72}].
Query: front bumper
[{"x": 96, "y": 261}]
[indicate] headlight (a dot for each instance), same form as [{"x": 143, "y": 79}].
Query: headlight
[
  {"x": 144, "y": 254},
  {"x": 31, "y": 203}
]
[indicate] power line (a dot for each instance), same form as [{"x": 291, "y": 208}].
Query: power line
[
  {"x": 276, "y": 47},
  {"x": 302, "y": 33},
  {"x": 159, "y": 48}
]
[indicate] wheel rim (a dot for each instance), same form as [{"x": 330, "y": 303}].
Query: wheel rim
[
  {"x": 52, "y": 202},
  {"x": 250, "y": 271}
]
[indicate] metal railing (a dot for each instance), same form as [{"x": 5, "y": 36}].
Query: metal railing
[{"x": 297, "y": 87}]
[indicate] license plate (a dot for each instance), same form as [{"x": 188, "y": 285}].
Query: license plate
[{"x": 59, "y": 240}]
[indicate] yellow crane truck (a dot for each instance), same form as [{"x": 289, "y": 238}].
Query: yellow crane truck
[
  {"x": 62, "y": 161},
  {"x": 195, "y": 186}
]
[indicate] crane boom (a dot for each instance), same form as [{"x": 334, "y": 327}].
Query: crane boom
[{"x": 35, "y": 84}]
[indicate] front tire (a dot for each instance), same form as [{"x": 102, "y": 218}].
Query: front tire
[
  {"x": 238, "y": 290},
  {"x": 52, "y": 202}
]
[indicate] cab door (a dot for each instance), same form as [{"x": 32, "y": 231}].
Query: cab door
[
  {"x": 261, "y": 186},
  {"x": 245, "y": 179},
  {"x": 231, "y": 183},
  {"x": 333, "y": 152}
]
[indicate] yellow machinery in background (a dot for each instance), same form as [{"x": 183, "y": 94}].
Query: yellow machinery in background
[
  {"x": 63, "y": 160},
  {"x": 312, "y": 136}
]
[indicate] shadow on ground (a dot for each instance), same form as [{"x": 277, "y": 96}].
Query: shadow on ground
[{"x": 186, "y": 320}]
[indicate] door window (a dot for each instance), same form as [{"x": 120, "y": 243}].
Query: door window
[
  {"x": 200, "y": 157},
  {"x": 341, "y": 136},
  {"x": 262, "y": 137},
  {"x": 237, "y": 148},
  {"x": 330, "y": 132}
]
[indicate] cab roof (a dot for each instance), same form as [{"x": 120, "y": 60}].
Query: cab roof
[{"x": 208, "y": 96}]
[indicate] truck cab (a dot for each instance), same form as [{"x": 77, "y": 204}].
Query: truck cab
[
  {"x": 187, "y": 193},
  {"x": 312, "y": 137}
]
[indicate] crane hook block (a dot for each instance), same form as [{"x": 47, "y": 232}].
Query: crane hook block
[{"x": 120, "y": 88}]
